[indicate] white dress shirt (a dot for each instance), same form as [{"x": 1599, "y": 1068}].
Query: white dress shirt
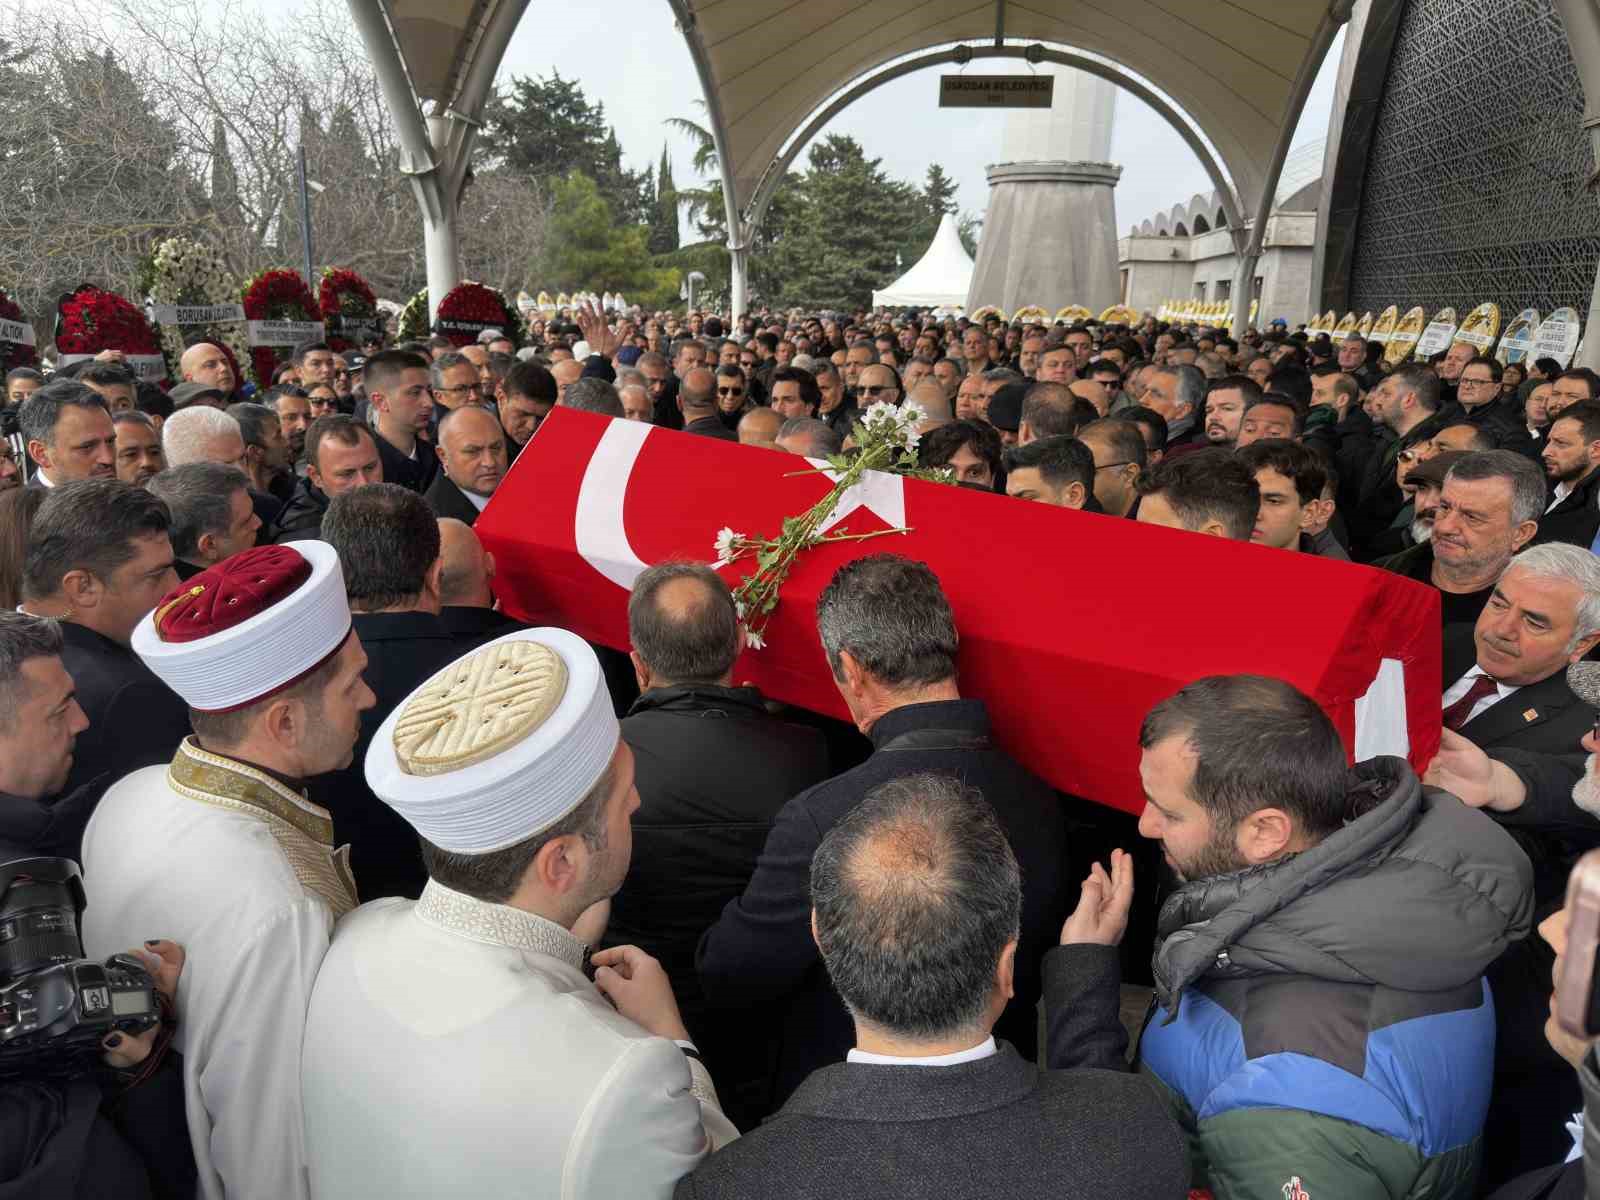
[
  {"x": 1561, "y": 492},
  {"x": 983, "y": 1049},
  {"x": 456, "y": 1048},
  {"x": 1463, "y": 685}
]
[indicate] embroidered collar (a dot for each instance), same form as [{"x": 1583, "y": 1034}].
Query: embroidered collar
[
  {"x": 497, "y": 924},
  {"x": 195, "y": 770}
]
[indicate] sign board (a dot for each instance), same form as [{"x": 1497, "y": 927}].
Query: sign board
[
  {"x": 1558, "y": 336},
  {"x": 1438, "y": 334},
  {"x": 1480, "y": 327},
  {"x": 149, "y": 367},
  {"x": 1384, "y": 326},
  {"x": 16, "y": 331},
  {"x": 1404, "y": 338},
  {"x": 195, "y": 314},
  {"x": 1517, "y": 342},
  {"x": 284, "y": 333},
  {"x": 996, "y": 91}
]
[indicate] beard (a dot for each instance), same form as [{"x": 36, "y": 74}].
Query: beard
[
  {"x": 1219, "y": 856},
  {"x": 1421, "y": 531}
]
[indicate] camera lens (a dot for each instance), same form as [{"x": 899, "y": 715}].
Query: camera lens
[{"x": 38, "y": 926}]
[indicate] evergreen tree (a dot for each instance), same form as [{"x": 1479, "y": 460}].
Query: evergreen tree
[
  {"x": 664, "y": 221},
  {"x": 586, "y": 248}
]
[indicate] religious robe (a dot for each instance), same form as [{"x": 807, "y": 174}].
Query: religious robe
[
  {"x": 456, "y": 1048},
  {"x": 240, "y": 870}
]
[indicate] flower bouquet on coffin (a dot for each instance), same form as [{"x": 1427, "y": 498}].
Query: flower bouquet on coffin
[
  {"x": 17, "y": 348},
  {"x": 282, "y": 314},
  {"x": 885, "y": 440},
  {"x": 349, "y": 309},
  {"x": 195, "y": 298},
  {"x": 469, "y": 308},
  {"x": 90, "y": 320}
]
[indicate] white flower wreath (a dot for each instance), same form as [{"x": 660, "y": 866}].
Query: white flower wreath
[
  {"x": 189, "y": 272},
  {"x": 412, "y": 323}
]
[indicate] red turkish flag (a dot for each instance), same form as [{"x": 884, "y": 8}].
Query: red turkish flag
[{"x": 1073, "y": 625}]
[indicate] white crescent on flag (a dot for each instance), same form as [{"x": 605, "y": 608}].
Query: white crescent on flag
[{"x": 601, "y": 535}]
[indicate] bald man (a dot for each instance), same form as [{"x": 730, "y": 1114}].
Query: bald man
[
  {"x": 207, "y": 364},
  {"x": 466, "y": 570},
  {"x": 565, "y": 373},
  {"x": 759, "y": 427},
  {"x": 472, "y": 450},
  {"x": 934, "y": 401}
]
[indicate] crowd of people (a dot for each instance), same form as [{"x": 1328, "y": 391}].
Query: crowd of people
[{"x": 448, "y": 906}]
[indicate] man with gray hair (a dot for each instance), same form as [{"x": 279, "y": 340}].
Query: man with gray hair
[
  {"x": 202, "y": 434},
  {"x": 212, "y": 514},
  {"x": 1488, "y": 510},
  {"x": 713, "y": 767},
  {"x": 809, "y": 437},
  {"x": 67, "y": 431},
  {"x": 266, "y": 450},
  {"x": 593, "y": 394},
  {"x": 916, "y": 906},
  {"x": 1176, "y": 392},
  {"x": 890, "y": 639}
]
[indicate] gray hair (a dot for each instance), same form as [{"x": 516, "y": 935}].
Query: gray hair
[
  {"x": 186, "y": 434},
  {"x": 253, "y": 421},
  {"x": 1566, "y": 564},
  {"x": 40, "y": 412},
  {"x": 825, "y": 366},
  {"x": 821, "y": 438},
  {"x": 22, "y": 637},
  {"x": 443, "y": 363},
  {"x": 809, "y": 362},
  {"x": 199, "y": 496},
  {"x": 916, "y": 894},
  {"x": 892, "y": 616},
  {"x": 593, "y": 394},
  {"x": 631, "y": 377},
  {"x": 1528, "y": 495},
  {"x": 1191, "y": 388},
  {"x": 695, "y": 645}
]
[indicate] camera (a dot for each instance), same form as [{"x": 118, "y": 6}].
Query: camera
[{"x": 55, "y": 1005}]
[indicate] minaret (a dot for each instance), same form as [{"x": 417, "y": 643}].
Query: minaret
[{"x": 1050, "y": 232}]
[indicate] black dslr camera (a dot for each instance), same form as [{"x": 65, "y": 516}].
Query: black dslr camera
[{"x": 55, "y": 1005}]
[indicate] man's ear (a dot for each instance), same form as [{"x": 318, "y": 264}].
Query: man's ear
[
  {"x": 39, "y": 452},
  {"x": 488, "y": 565},
  {"x": 82, "y": 589},
  {"x": 1075, "y": 495},
  {"x": 1264, "y": 835},
  {"x": 641, "y": 673},
  {"x": 1523, "y": 534}
]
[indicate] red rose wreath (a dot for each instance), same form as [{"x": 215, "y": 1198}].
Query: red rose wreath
[
  {"x": 470, "y": 308},
  {"x": 349, "y": 309},
  {"x": 276, "y": 296}
]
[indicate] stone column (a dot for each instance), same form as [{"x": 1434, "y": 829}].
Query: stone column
[{"x": 1049, "y": 237}]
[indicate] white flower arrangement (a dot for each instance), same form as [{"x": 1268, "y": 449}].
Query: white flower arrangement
[
  {"x": 886, "y": 439},
  {"x": 188, "y": 272}
]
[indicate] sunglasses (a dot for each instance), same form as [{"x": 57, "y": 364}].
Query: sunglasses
[
  {"x": 874, "y": 389},
  {"x": 729, "y": 391}
]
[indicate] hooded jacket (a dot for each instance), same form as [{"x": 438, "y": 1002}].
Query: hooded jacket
[{"x": 1322, "y": 1021}]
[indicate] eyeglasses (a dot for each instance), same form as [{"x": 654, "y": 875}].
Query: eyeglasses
[
  {"x": 1127, "y": 462},
  {"x": 730, "y": 391},
  {"x": 1477, "y": 383},
  {"x": 455, "y": 391}
]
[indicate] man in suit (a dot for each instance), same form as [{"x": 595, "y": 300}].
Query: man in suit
[
  {"x": 917, "y": 905},
  {"x": 890, "y": 639},
  {"x": 1505, "y": 682},
  {"x": 67, "y": 431},
  {"x": 466, "y": 601},
  {"x": 398, "y": 387},
  {"x": 99, "y": 559},
  {"x": 1571, "y": 457},
  {"x": 713, "y": 768},
  {"x": 341, "y": 455},
  {"x": 472, "y": 453},
  {"x": 388, "y": 544}
]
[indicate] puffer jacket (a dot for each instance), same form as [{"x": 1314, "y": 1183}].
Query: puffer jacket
[
  {"x": 1322, "y": 1025},
  {"x": 301, "y": 518}
]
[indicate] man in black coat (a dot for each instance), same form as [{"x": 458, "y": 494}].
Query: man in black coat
[
  {"x": 99, "y": 558},
  {"x": 472, "y": 451},
  {"x": 890, "y": 638},
  {"x": 917, "y": 907},
  {"x": 341, "y": 454},
  {"x": 398, "y": 386},
  {"x": 388, "y": 544},
  {"x": 1571, "y": 457},
  {"x": 697, "y": 401},
  {"x": 712, "y": 768}
]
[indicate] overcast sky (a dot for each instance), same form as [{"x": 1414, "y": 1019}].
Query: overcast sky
[{"x": 638, "y": 65}]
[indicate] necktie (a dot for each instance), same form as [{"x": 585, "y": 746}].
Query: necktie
[{"x": 1456, "y": 715}]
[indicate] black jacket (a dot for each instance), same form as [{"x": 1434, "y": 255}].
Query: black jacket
[
  {"x": 472, "y": 626},
  {"x": 1576, "y": 519},
  {"x": 52, "y": 827},
  {"x": 1498, "y": 422},
  {"x": 760, "y": 954},
  {"x": 1545, "y": 717},
  {"x": 711, "y": 427},
  {"x": 135, "y": 720},
  {"x": 712, "y": 769},
  {"x": 1349, "y": 444},
  {"x": 1379, "y": 498},
  {"x": 301, "y": 518},
  {"x": 403, "y": 650},
  {"x": 1456, "y": 609},
  {"x": 447, "y": 500},
  {"x": 414, "y": 473},
  {"x": 996, "y": 1126}
]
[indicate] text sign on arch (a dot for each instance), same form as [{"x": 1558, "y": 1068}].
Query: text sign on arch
[
  {"x": 1068, "y": 671},
  {"x": 996, "y": 91}
]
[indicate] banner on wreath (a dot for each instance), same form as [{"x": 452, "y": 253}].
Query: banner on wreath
[
  {"x": 284, "y": 333},
  {"x": 196, "y": 314},
  {"x": 149, "y": 367},
  {"x": 16, "y": 331}
]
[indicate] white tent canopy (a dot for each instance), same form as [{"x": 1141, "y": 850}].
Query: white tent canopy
[{"x": 940, "y": 278}]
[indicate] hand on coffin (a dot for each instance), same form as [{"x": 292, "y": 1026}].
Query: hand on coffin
[
  {"x": 1101, "y": 917},
  {"x": 1478, "y": 781}
]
